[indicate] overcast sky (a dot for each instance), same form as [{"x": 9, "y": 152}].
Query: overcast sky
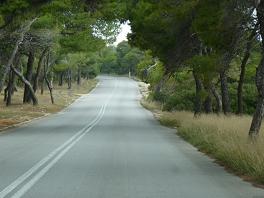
[{"x": 125, "y": 29}]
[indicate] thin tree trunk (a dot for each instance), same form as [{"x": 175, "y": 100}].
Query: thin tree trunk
[
  {"x": 10, "y": 88},
  {"x": 258, "y": 115},
  {"x": 240, "y": 84},
  {"x": 198, "y": 100},
  {"x": 208, "y": 107},
  {"x": 243, "y": 72},
  {"x": 11, "y": 82},
  {"x": 61, "y": 75},
  {"x": 79, "y": 76},
  {"x": 69, "y": 78},
  {"x": 5, "y": 93},
  {"x": 50, "y": 87},
  {"x": 15, "y": 50},
  {"x": 36, "y": 77},
  {"x": 42, "y": 82},
  {"x": 218, "y": 99},
  {"x": 12, "y": 57},
  {"x": 225, "y": 61},
  {"x": 225, "y": 93},
  {"x": 208, "y": 104},
  {"x": 27, "y": 93},
  {"x": 25, "y": 81},
  {"x": 49, "y": 84},
  {"x": 3, "y": 79}
]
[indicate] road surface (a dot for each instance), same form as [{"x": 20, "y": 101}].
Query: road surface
[{"x": 105, "y": 145}]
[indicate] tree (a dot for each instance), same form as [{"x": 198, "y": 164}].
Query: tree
[
  {"x": 127, "y": 58},
  {"x": 258, "y": 115},
  {"x": 62, "y": 29}
]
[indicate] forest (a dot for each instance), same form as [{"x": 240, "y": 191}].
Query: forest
[
  {"x": 201, "y": 56},
  {"x": 215, "y": 46},
  {"x": 44, "y": 42},
  {"x": 202, "y": 60}
]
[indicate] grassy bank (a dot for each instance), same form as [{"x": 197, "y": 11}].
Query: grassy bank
[
  {"x": 223, "y": 138},
  {"x": 18, "y": 112}
]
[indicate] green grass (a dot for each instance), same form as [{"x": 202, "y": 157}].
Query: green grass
[{"x": 224, "y": 138}]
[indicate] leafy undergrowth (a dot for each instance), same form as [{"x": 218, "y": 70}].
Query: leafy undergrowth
[
  {"x": 221, "y": 137},
  {"x": 17, "y": 112}
]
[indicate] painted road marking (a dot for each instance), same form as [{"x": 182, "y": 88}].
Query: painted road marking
[{"x": 56, "y": 155}]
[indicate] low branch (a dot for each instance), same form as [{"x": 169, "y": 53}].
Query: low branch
[
  {"x": 25, "y": 81},
  {"x": 19, "y": 42}
]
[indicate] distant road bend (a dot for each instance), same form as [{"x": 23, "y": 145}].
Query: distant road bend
[{"x": 105, "y": 145}]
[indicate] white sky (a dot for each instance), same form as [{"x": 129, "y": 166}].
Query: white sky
[{"x": 125, "y": 29}]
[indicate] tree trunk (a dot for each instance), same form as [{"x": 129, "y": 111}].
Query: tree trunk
[
  {"x": 226, "y": 59},
  {"x": 241, "y": 83},
  {"x": 258, "y": 115},
  {"x": 208, "y": 104},
  {"x": 11, "y": 82},
  {"x": 225, "y": 93},
  {"x": 10, "y": 88},
  {"x": 36, "y": 77},
  {"x": 257, "y": 119},
  {"x": 26, "y": 82},
  {"x": 42, "y": 83},
  {"x": 198, "y": 100},
  {"x": 243, "y": 72},
  {"x": 3, "y": 79},
  {"x": 69, "y": 78},
  {"x": 27, "y": 93},
  {"x": 49, "y": 84},
  {"x": 218, "y": 99},
  {"x": 14, "y": 52},
  {"x": 79, "y": 76},
  {"x": 50, "y": 87},
  {"x": 61, "y": 75}
]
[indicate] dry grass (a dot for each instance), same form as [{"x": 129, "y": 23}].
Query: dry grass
[
  {"x": 18, "y": 112},
  {"x": 222, "y": 137}
]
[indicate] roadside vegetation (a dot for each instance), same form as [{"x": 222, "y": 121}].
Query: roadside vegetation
[
  {"x": 204, "y": 63},
  {"x": 223, "y": 138},
  {"x": 203, "y": 60},
  {"x": 205, "y": 56},
  {"x": 49, "y": 55},
  {"x": 20, "y": 113}
]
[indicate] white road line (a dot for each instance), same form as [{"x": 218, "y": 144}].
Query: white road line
[
  {"x": 32, "y": 170},
  {"x": 44, "y": 170},
  {"x": 60, "y": 152}
]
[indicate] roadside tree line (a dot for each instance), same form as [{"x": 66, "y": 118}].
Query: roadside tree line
[
  {"x": 46, "y": 41},
  {"x": 208, "y": 38}
]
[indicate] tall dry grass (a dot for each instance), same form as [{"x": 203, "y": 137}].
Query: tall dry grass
[{"x": 223, "y": 137}]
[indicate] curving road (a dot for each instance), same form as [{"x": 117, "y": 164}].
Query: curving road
[{"x": 105, "y": 145}]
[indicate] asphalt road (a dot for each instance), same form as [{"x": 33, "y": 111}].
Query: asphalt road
[{"x": 106, "y": 145}]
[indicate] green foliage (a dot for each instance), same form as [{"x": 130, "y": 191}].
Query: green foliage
[
  {"x": 205, "y": 66},
  {"x": 106, "y": 30},
  {"x": 2, "y": 21},
  {"x": 12, "y": 6},
  {"x": 45, "y": 22},
  {"x": 176, "y": 38},
  {"x": 127, "y": 58},
  {"x": 108, "y": 61},
  {"x": 156, "y": 73},
  {"x": 120, "y": 59}
]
